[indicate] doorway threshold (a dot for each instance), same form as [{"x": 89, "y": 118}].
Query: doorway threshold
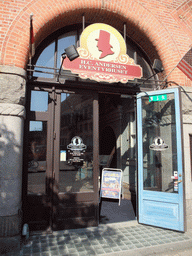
[{"x": 112, "y": 212}]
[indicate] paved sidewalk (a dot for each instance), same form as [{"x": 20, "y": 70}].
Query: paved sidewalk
[{"x": 120, "y": 239}]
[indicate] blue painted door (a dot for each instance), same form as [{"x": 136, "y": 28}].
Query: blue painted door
[{"x": 160, "y": 163}]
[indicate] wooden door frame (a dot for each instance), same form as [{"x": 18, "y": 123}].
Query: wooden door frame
[{"x": 39, "y": 116}]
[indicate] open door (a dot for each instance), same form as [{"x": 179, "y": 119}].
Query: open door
[{"x": 160, "y": 163}]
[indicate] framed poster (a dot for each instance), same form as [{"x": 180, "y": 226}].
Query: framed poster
[{"x": 111, "y": 183}]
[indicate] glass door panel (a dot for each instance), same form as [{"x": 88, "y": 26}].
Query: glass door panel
[
  {"x": 76, "y": 161},
  {"x": 37, "y": 208},
  {"x": 37, "y": 157},
  {"x": 76, "y": 143},
  {"x": 159, "y": 144}
]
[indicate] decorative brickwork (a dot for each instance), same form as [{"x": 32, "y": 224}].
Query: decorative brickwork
[{"x": 161, "y": 28}]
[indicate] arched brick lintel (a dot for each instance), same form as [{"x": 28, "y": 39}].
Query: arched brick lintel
[{"x": 142, "y": 26}]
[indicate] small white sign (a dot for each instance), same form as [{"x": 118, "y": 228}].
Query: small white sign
[{"x": 158, "y": 144}]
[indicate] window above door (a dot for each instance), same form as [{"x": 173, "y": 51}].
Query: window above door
[{"x": 47, "y": 60}]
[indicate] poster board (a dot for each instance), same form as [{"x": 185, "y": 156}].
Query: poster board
[{"x": 111, "y": 183}]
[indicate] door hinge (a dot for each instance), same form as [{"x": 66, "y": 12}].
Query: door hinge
[{"x": 54, "y": 136}]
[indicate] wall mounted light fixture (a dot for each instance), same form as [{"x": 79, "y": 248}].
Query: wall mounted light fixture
[
  {"x": 70, "y": 52},
  {"x": 157, "y": 67}
]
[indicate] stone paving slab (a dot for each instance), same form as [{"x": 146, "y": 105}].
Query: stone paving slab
[{"x": 118, "y": 239}]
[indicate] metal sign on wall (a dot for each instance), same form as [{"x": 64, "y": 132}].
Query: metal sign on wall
[{"x": 103, "y": 56}]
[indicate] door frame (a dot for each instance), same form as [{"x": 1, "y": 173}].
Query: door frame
[
  {"x": 54, "y": 90},
  {"x": 37, "y": 116}
]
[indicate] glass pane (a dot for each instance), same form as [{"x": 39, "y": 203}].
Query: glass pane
[
  {"x": 64, "y": 42},
  {"x": 159, "y": 143},
  {"x": 37, "y": 157},
  {"x": 46, "y": 59},
  {"x": 147, "y": 72},
  {"x": 39, "y": 101},
  {"x": 76, "y": 143}
]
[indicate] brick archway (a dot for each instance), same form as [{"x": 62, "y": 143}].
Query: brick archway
[{"x": 143, "y": 26}]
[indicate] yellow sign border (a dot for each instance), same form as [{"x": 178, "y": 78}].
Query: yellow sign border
[{"x": 100, "y": 26}]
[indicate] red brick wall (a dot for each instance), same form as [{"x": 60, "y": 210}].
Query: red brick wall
[{"x": 162, "y": 28}]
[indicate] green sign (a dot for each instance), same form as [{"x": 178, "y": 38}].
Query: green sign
[{"x": 158, "y": 97}]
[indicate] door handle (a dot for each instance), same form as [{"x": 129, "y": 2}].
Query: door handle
[{"x": 179, "y": 181}]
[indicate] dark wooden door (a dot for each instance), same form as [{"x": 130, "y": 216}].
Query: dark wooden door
[
  {"x": 63, "y": 160},
  {"x": 76, "y": 160}
]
